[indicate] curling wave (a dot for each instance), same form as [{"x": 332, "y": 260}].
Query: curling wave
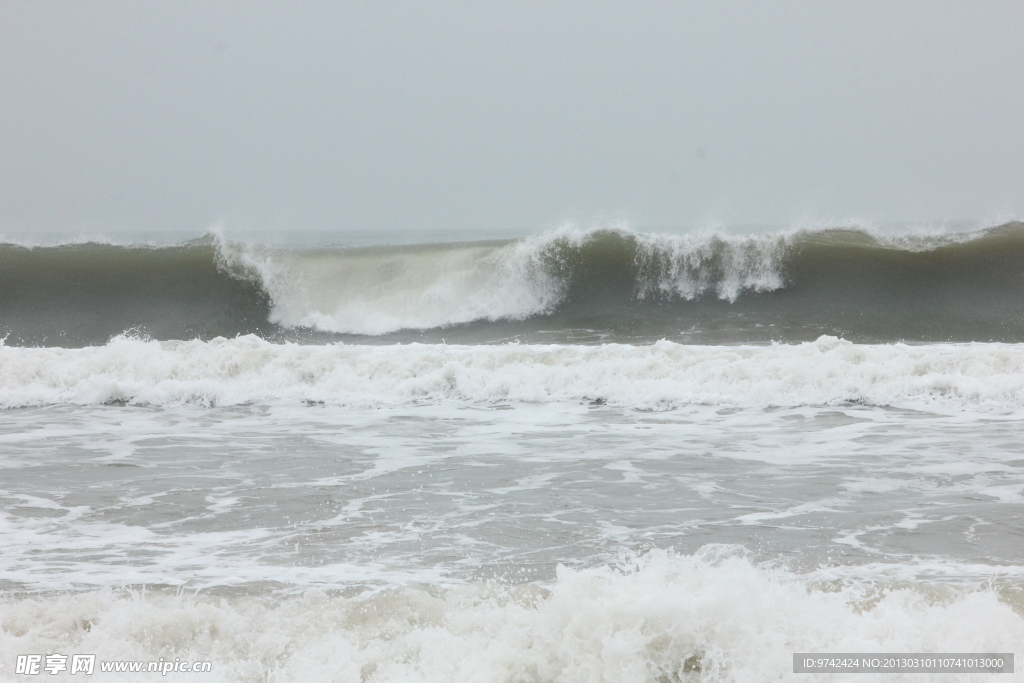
[
  {"x": 566, "y": 286},
  {"x": 374, "y": 291}
]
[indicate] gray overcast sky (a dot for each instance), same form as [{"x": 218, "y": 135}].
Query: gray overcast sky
[{"x": 506, "y": 116}]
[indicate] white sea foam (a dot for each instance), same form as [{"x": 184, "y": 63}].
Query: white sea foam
[
  {"x": 988, "y": 377},
  {"x": 712, "y": 616}
]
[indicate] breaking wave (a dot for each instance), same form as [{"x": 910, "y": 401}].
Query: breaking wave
[
  {"x": 377, "y": 290},
  {"x": 662, "y": 375},
  {"x": 570, "y": 284},
  {"x": 713, "y": 616}
]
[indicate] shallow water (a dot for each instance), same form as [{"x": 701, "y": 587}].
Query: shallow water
[
  {"x": 296, "y": 496},
  {"x": 301, "y": 542}
]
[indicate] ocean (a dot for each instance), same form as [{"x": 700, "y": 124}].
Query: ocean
[{"x": 581, "y": 455}]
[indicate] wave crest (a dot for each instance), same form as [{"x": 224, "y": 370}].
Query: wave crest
[
  {"x": 566, "y": 285},
  {"x": 378, "y": 290}
]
